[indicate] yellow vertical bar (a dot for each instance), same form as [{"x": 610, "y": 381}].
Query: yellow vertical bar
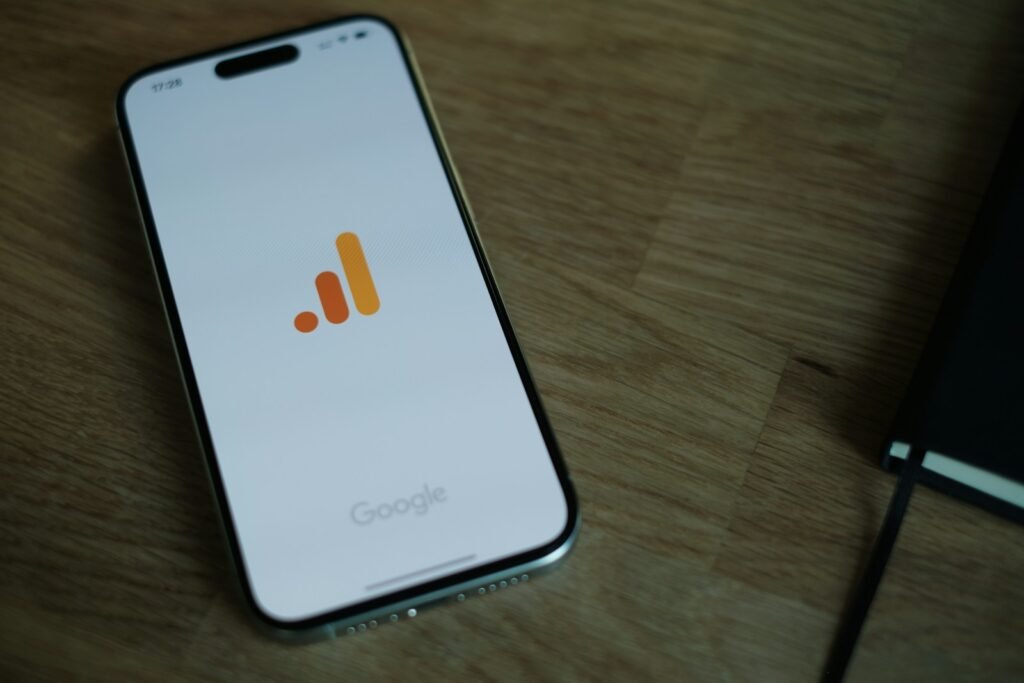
[{"x": 353, "y": 260}]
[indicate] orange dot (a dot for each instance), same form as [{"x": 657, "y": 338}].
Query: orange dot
[{"x": 306, "y": 322}]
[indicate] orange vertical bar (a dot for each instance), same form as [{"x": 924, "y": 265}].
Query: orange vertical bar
[
  {"x": 332, "y": 298},
  {"x": 353, "y": 260}
]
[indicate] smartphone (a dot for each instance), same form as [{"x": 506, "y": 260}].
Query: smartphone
[{"x": 372, "y": 435}]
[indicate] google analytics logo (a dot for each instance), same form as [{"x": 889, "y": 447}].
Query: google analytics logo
[{"x": 332, "y": 296}]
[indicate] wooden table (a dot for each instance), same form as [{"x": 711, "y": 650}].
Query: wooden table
[{"x": 722, "y": 228}]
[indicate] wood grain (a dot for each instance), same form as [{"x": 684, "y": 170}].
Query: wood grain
[{"x": 722, "y": 228}]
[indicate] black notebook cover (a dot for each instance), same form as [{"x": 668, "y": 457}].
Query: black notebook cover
[{"x": 965, "y": 404}]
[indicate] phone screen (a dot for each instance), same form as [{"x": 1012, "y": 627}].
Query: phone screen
[{"x": 370, "y": 426}]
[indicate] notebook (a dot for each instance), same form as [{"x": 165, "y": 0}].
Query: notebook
[{"x": 965, "y": 403}]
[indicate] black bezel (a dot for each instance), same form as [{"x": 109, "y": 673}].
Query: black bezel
[{"x": 382, "y": 602}]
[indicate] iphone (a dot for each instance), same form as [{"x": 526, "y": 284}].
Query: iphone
[{"x": 373, "y": 438}]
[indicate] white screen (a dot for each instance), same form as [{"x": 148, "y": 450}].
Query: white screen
[{"x": 250, "y": 180}]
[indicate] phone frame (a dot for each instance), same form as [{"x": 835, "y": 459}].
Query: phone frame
[{"x": 407, "y": 601}]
